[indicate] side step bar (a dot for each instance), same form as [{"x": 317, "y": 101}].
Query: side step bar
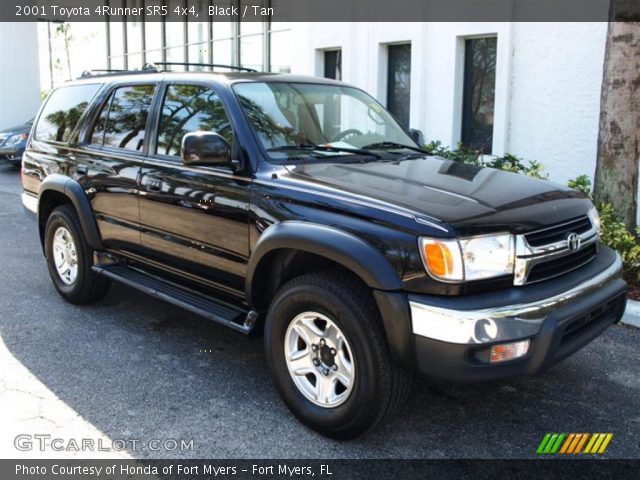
[{"x": 220, "y": 312}]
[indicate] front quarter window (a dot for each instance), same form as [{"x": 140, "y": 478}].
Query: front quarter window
[{"x": 288, "y": 114}]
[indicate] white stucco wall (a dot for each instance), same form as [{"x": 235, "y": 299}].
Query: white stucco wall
[
  {"x": 555, "y": 95},
  {"x": 548, "y": 79},
  {"x": 19, "y": 75}
]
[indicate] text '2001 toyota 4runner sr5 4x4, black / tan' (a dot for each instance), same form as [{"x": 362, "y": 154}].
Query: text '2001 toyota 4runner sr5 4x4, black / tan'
[{"x": 299, "y": 208}]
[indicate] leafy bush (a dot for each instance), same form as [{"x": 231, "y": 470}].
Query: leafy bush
[
  {"x": 581, "y": 183},
  {"x": 614, "y": 232}
]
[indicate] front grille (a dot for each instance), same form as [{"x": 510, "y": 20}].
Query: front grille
[
  {"x": 558, "y": 233},
  {"x": 562, "y": 265},
  {"x": 582, "y": 324}
]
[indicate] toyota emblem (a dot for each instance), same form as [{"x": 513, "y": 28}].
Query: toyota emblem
[{"x": 573, "y": 242}]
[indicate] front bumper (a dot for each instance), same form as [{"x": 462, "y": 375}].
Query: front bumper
[
  {"x": 13, "y": 155},
  {"x": 453, "y": 336}
]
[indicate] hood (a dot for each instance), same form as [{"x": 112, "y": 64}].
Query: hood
[{"x": 470, "y": 198}]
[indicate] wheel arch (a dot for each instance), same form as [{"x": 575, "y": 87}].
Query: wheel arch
[
  {"x": 57, "y": 190},
  {"x": 318, "y": 242}
]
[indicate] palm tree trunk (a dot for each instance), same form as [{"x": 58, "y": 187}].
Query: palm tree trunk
[{"x": 616, "y": 178}]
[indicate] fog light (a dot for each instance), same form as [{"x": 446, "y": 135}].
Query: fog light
[{"x": 509, "y": 351}]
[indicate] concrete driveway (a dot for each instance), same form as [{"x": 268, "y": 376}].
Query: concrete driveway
[{"x": 133, "y": 368}]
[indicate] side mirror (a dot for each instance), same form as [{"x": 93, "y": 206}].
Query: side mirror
[
  {"x": 417, "y": 136},
  {"x": 205, "y": 148}
]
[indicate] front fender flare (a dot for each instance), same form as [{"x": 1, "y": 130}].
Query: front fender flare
[{"x": 353, "y": 253}]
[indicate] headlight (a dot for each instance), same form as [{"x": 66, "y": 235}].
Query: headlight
[
  {"x": 471, "y": 258},
  {"x": 15, "y": 139},
  {"x": 594, "y": 216}
]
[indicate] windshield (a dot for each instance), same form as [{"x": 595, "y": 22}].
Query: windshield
[{"x": 285, "y": 116}]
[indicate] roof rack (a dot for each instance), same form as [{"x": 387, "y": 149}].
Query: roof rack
[
  {"x": 108, "y": 72},
  {"x": 216, "y": 65},
  {"x": 153, "y": 68}
]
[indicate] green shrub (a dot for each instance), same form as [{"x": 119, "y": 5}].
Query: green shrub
[
  {"x": 581, "y": 183},
  {"x": 614, "y": 233}
]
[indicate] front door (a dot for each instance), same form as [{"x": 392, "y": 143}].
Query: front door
[{"x": 194, "y": 219}]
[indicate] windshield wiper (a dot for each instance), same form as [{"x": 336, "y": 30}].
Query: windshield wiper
[
  {"x": 390, "y": 145},
  {"x": 323, "y": 148}
]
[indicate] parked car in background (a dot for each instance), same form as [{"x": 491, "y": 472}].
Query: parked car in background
[{"x": 13, "y": 141}]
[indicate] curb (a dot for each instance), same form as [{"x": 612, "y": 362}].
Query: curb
[{"x": 632, "y": 314}]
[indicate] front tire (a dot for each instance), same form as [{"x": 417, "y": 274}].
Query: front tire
[
  {"x": 328, "y": 356},
  {"x": 69, "y": 258}
]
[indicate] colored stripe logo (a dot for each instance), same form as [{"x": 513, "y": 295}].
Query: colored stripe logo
[{"x": 574, "y": 443}]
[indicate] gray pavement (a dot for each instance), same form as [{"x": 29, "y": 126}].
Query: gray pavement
[{"x": 130, "y": 367}]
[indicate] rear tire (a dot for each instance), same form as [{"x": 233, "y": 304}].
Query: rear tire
[
  {"x": 69, "y": 258},
  {"x": 340, "y": 303}
]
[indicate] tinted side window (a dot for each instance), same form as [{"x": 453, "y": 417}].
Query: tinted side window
[
  {"x": 190, "y": 108},
  {"x": 62, "y": 111},
  {"x": 123, "y": 119}
]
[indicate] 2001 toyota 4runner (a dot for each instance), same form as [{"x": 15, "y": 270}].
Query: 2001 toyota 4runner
[{"x": 298, "y": 207}]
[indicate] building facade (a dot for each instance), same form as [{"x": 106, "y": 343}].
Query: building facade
[
  {"x": 529, "y": 89},
  {"x": 19, "y": 76}
]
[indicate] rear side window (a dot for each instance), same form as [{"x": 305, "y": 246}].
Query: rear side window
[
  {"x": 190, "y": 108},
  {"x": 123, "y": 118},
  {"x": 62, "y": 111}
]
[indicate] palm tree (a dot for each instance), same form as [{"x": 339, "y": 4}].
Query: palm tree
[{"x": 616, "y": 177}]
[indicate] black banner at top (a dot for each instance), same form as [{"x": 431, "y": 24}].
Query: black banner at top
[{"x": 319, "y": 10}]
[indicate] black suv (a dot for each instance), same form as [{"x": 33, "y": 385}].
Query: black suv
[{"x": 299, "y": 208}]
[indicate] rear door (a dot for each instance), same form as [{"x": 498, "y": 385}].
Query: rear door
[
  {"x": 115, "y": 147},
  {"x": 194, "y": 219}
]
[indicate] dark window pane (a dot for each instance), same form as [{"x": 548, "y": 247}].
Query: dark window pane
[
  {"x": 127, "y": 113},
  {"x": 333, "y": 64},
  {"x": 399, "y": 82},
  {"x": 479, "y": 93},
  {"x": 190, "y": 108},
  {"x": 62, "y": 112}
]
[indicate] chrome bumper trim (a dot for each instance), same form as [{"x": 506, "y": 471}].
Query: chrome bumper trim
[
  {"x": 30, "y": 202},
  {"x": 499, "y": 324}
]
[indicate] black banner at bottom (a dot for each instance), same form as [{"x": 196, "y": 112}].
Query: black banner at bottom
[{"x": 317, "y": 469}]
